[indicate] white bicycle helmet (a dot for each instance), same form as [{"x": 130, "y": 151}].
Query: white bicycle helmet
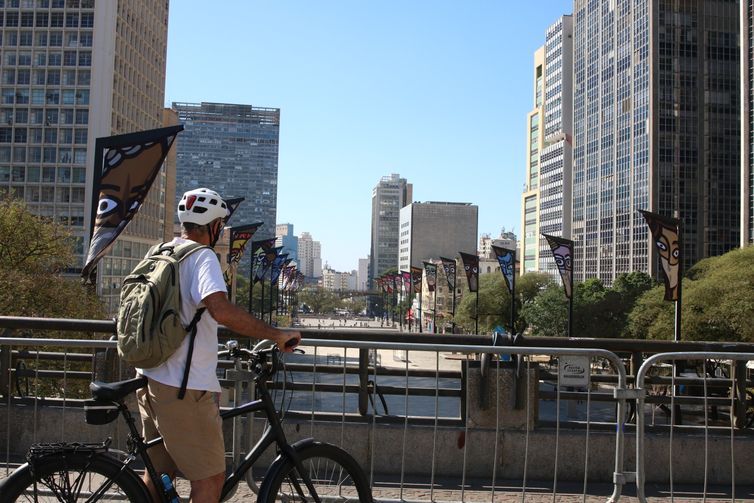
[{"x": 201, "y": 206}]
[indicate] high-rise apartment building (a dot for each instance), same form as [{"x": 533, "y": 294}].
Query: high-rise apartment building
[
  {"x": 656, "y": 127},
  {"x": 310, "y": 256},
  {"x": 747, "y": 122},
  {"x": 556, "y": 155},
  {"x": 530, "y": 197},
  {"x": 388, "y": 197},
  {"x": 232, "y": 149},
  {"x": 73, "y": 71},
  {"x": 285, "y": 238},
  {"x": 436, "y": 229},
  {"x": 507, "y": 239}
]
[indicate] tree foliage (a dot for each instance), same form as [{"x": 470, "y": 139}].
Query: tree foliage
[
  {"x": 598, "y": 311},
  {"x": 33, "y": 252},
  {"x": 717, "y": 302},
  {"x": 495, "y": 301}
]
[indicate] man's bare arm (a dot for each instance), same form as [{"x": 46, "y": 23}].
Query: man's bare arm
[{"x": 236, "y": 319}]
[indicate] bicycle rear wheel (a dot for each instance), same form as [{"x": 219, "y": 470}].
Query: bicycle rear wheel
[
  {"x": 335, "y": 474},
  {"x": 73, "y": 477}
]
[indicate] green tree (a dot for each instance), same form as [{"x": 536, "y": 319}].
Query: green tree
[
  {"x": 319, "y": 300},
  {"x": 547, "y": 313},
  {"x": 717, "y": 302},
  {"x": 493, "y": 296},
  {"x": 33, "y": 254}
]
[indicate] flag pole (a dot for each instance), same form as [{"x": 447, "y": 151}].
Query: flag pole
[
  {"x": 453, "y": 321},
  {"x": 513, "y": 297},
  {"x": 677, "y": 328},
  {"x": 421, "y": 294},
  {"x": 251, "y": 286},
  {"x": 476, "y": 320}
]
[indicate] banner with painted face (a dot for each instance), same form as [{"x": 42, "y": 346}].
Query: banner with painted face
[
  {"x": 416, "y": 278},
  {"x": 449, "y": 266},
  {"x": 507, "y": 260},
  {"x": 431, "y": 270},
  {"x": 471, "y": 267},
  {"x": 562, "y": 251},
  {"x": 125, "y": 168},
  {"x": 665, "y": 233}
]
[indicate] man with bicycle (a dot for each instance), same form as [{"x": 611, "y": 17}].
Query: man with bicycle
[{"x": 191, "y": 427}]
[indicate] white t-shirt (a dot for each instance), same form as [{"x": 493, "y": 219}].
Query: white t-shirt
[{"x": 200, "y": 276}]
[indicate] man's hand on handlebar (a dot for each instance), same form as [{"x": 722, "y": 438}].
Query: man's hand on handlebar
[{"x": 288, "y": 340}]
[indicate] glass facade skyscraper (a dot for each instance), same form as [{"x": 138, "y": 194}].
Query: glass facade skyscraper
[
  {"x": 73, "y": 71},
  {"x": 388, "y": 197},
  {"x": 556, "y": 154},
  {"x": 655, "y": 127},
  {"x": 232, "y": 149},
  {"x": 747, "y": 122}
]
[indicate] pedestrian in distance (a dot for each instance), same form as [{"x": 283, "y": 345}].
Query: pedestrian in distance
[{"x": 191, "y": 426}]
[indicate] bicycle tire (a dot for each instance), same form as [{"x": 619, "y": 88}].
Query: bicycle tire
[
  {"x": 73, "y": 477},
  {"x": 334, "y": 473}
]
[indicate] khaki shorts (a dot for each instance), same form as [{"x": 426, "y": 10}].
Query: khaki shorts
[{"x": 191, "y": 429}]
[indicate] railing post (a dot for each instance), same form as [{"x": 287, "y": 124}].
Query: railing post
[
  {"x": 740, "y": 383},
  {"x": 363, "y": 381},
  {"x": 6, "y": 353}
]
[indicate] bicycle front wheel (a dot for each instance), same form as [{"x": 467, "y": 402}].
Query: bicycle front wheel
[
  {"x": 336, "y": 476},
  {"x": 74, "y": 477}
]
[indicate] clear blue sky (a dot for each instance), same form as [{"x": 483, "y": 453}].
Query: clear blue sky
[{"x": 437, "y": 91}]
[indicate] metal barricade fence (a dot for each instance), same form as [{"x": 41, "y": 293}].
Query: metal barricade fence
[
  {"x": 696, "y": 452},
  {"x": 439, "y": 423}
]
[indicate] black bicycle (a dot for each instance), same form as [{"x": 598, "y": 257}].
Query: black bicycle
[{"x": 306, "y": 470}]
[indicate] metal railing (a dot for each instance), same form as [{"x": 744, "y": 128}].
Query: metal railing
[
  {"x": 463, "y": 428},
  {"x": 713, "y": 466}
]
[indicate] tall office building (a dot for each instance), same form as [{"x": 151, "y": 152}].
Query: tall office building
[
  {"x": 285, "y": 238},
  {"x": 436, "y": 229},
  {"x": 362, "y": 275},
  {"x": 530, "y": 197},
  {"x": 232, "y": 149},
  {"x": 656, "y": 127},
  {"x": 388, "y": 197},
  {"x": 73, "y": 71},
  {"x": 310, "y": 256},
  {"x": 556, "y": 154},
  {"x": 747, "y": 122}
]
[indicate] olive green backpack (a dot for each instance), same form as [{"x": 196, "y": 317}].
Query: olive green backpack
[{"x": 149, "y": 318}]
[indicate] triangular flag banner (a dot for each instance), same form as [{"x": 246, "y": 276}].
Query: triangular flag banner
[
  {"x": 263, "y": 253},
  {"x": 471, "y": 266},
  {"x": 233, "y": 203},
  {"x": 562, "y": 251},
  {"x": 406, "y": 280},
  {"x": 121, "y": 183},
  {"x": 665, "y": 232},
  {"x": 507, "y": 260},
  {"x": 431, "y": 270},
  {"x": 416, "y": 278},
  {"x": 449, "y": 266},
  {"x": 239, "y": 237},
  {"x": 277, "y": 265}
]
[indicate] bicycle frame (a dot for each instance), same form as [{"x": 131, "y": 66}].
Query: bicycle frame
[{"x": 273, "y": 433}]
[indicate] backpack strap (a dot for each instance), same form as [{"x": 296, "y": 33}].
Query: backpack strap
[{"x": 192, "y": 338}]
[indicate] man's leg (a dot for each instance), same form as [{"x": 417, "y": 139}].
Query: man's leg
[{"x": 207, "y": 490}]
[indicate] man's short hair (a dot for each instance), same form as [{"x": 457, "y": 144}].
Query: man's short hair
[{"x": 192, "y": 227}]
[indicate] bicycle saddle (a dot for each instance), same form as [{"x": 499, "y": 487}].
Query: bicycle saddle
[{"x": 114, "y": 391}]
